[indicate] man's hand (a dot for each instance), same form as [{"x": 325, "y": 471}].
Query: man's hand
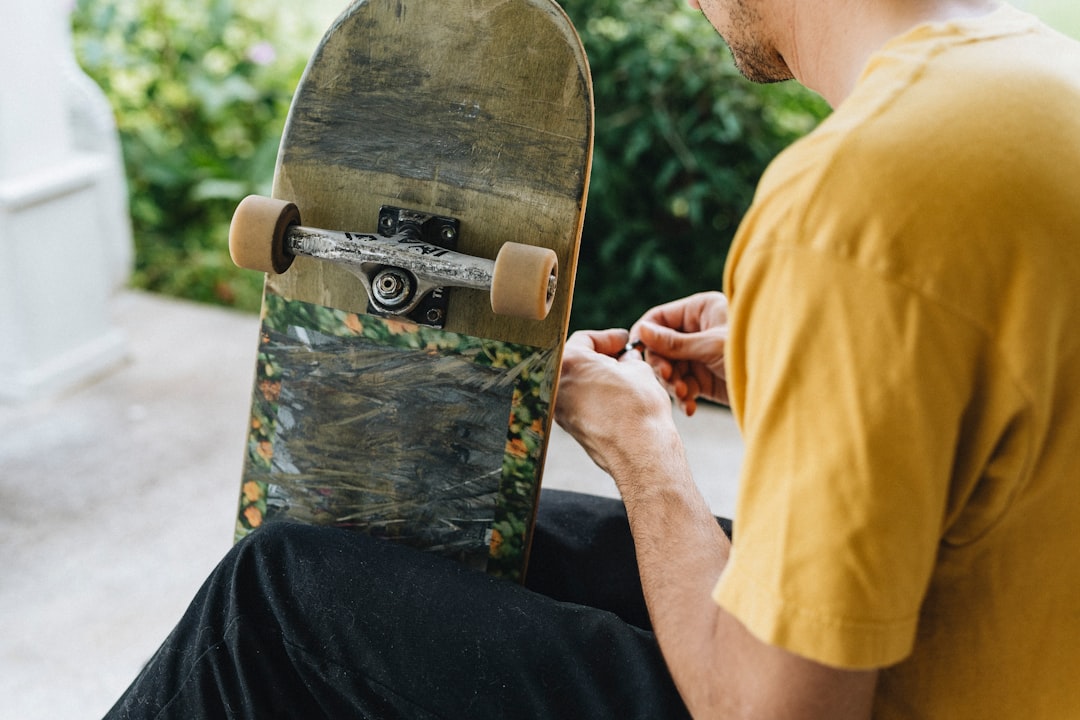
[
  {"x": 685, "y": 343},
  {"x": 610, "y": 401}
]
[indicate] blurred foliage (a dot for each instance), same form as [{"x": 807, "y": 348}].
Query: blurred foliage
[
  {"x": 200, "y": 97},
  {"x": 681, "y": 140},
  {"x": 201, "y": 91}
]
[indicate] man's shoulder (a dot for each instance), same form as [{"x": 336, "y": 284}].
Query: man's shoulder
[{"x": 922, "y": 126}]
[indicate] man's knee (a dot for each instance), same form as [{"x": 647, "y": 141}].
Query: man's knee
[{"x": 275, "y": 557}]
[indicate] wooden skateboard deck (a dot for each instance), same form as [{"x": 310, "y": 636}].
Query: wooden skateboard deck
[{"x": 432, "y": 435}]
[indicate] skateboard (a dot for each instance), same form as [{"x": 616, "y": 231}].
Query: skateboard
[{"x": 419, "y": 246}]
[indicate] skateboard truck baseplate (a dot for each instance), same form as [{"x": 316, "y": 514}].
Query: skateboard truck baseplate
[{"x": 392, "y": 287}]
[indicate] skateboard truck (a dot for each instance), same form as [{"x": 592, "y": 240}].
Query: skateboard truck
[{"x": 405, "y": 268}]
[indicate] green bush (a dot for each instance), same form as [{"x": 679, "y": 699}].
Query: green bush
[
  {"x": 200, "y": 99},
  {"x": 681, "y": 140}
]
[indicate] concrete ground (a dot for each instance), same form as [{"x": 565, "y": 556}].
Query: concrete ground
[{"x": 118, "y": 498}]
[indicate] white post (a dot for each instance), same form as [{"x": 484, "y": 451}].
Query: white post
[{"x": 65, "y": 238}]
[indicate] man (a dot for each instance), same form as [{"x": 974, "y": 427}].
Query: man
[
  {"x": 900, "y": 356},
  {"x": 901, "y": 361}
]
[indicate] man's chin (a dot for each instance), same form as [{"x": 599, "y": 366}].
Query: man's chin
[{"x": 759, "y": 67}]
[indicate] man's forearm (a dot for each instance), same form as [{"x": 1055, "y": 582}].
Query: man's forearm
[
  {"x": 681, "y": 551},
  {"x": 720, "y": 668}
]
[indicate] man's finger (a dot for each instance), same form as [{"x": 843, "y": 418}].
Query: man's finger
[
  {"x": 606, "y": 342},
  {"x": 676, "y": 345}
]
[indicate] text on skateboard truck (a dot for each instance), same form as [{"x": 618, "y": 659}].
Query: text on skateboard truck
[{"x": 407, "y": 264}]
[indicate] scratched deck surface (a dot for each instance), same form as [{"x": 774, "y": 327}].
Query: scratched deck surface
[{"x": 475, "y": 109}]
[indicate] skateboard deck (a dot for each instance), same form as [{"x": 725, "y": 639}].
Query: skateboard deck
[{"x": 469, "y": 123}]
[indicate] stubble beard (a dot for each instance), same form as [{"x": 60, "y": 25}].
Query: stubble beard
[
  {"x": 756, "y": 60},
  {"x": 759, "y": 66}
]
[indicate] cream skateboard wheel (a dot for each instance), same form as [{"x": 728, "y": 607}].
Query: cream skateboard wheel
[
  {"x": 523, "y": 281},
  {"x": 257, "y": 233}
]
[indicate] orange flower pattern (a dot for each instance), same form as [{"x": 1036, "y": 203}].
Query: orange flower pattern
[
  {"x": 253, "y": 492},
  {"x": 253, "y": 516}
]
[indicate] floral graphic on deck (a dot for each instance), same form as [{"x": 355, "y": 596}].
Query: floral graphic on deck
[{"x": 402, "y": 431}]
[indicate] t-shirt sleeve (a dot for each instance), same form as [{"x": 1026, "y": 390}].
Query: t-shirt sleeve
[{"x": 849, "y": 386}]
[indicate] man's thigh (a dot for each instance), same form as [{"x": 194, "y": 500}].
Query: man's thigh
[{"x": 313, "y": 621}]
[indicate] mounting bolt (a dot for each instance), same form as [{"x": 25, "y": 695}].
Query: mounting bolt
[
  {"x": 435, "y": 316},
  {"x": 449, "y": 234}
]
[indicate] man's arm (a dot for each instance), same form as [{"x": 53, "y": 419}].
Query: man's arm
[
  {"x": 622, "y": 417},
  {"x": 721, "y": 670}
]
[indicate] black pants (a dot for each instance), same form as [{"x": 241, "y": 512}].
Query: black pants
[{"x": 309, "y": 622}]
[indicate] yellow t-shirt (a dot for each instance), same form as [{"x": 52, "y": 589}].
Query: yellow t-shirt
[{"x": 904, "y": 361}]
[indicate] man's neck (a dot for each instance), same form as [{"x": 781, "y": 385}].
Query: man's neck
[{"x": 826, "y": 45}]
